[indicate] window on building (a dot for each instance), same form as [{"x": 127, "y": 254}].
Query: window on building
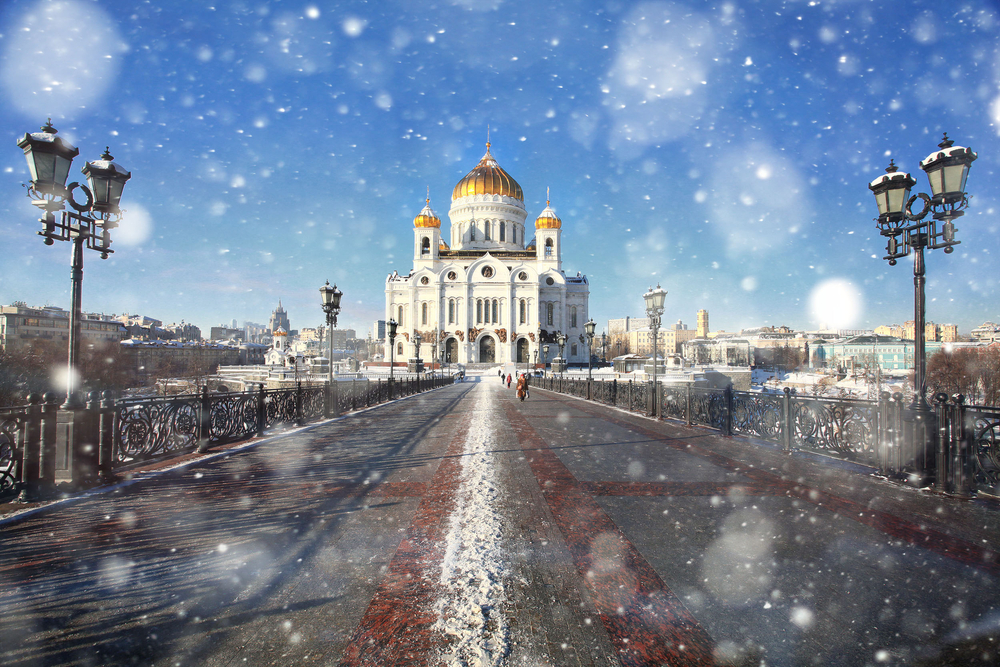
[
  {"x": 513, "y": 234},
  {"x": 425, "y": 246},
  {"x": 479, "y": 311},
  {"x": 572, "y": 317},
  {"x": 503, "y": 231},
  {"x": 399, "y": 349},
  {"x": 522, "y": 310},
  {"x": 486, "y": 229},
  {"x": 451, "y": 311},
  {"x": 548, "y": 314},
  {"x": 472, "y": 231},
  {"x": 548, "y": 247},
  {"x": 399, "y": 320},
  {"x": 423, "y": 313},
  {"x": 572, "y": 349},
  {"x": 496, "y": 312}
]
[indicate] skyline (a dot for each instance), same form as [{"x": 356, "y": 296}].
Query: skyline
[{"x": 724, "y": 153}]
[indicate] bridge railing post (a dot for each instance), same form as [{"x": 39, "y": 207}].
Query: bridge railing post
[
  {"x": 205, "y": 421},
  {"x": 106, "y": 453},
  {"x": 29, "y": 466}
]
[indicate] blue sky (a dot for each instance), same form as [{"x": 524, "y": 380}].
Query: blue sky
[{"x": 720, "y": 149}]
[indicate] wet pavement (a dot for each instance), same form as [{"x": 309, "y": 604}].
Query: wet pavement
[{"x": 463, "y": 527}]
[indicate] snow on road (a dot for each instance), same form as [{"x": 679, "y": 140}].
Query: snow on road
[{"x": 470, "y": 607}]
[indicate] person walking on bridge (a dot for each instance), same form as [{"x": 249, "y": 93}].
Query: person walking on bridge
[{"x": 522, "y": 387}]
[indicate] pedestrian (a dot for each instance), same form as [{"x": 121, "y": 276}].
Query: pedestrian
[
  {"x": 500, "y": 373},
  {"x": 508, "y": 380},
  {"x": 527, "y": 392},
  {"x": 522, "y": 387}
]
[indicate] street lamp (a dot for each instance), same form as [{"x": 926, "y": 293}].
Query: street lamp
[
  {"x": 534, "y": 368},
  {"x": 391, "y": 326},
  {"x": 545, "y": 358},
  {"x": 416, "y": 354},
  {"x": 947, "y": 170},
  {"x": 331, "y": 306},
  {"x": 654, "y": 310},
  {"x": 589, "y": 327},
  {"x": 561, "y": 339},
  {"x": 88, "y": 224},
  {"x": 604, "y": 344}
]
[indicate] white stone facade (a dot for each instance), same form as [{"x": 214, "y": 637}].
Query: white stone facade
[{"x": 490, "y": 297}]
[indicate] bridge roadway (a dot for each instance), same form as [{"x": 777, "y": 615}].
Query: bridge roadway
[{"x": 462, "y": 527}]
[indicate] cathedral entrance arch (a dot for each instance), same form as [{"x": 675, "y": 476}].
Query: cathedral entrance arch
[
  {"x": 487, "y": 350},
  {"x": 522, "y": 350},
  {"x": 451, "y": 351}
]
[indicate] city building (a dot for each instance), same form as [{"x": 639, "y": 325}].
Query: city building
[
  {"x": 20, "y": 324},
  {"x": 487, "y": 294},
  {"x": 224, "y": 333},
  {"x": 987, "y": 332},
  {"x": 669, "y": 339},
  {"x": 279, "y": 319},
  {"x": 149, "y": 358},
  {"x": 702, "y": 330}
]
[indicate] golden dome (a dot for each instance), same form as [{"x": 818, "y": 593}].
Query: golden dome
[
  {"x": 548, "y": 219},
  {"x": 427, "y": 217},
  {"x": 488, "y": 178}
]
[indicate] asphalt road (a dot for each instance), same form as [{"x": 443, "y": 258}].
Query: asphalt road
[{"x": 463, "y": 527}]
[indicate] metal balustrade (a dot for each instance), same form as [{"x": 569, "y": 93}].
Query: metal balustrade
[
  {"x": 127, "y": 431},
  {"x": 965, "y": 459}
]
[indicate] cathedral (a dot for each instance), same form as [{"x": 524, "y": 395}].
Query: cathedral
[{"x": 487, "y": 294}]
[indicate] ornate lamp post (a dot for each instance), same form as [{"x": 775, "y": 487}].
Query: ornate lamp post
[
  {"x": 545, "y": 357},
  {"x": 88, "y": 224},
  {"x": 947, "y": 170},
  {"x": 416, "y": 353},
  {"x": 331, "y": 306},
  {"x": 654, "y": 310},
  {"x": 391, "y": 328},
  {"x": 561, "y": 339},
  {"x": 589, "y": 327}
]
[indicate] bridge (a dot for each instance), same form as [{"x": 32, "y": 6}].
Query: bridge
[{"x": 454, "y": 524}]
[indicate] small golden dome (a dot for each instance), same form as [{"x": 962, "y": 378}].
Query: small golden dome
[
  {"x": 427, "y": 217},
  {"x": 488, "y": 178},
  {"x": 548, "y": 218}
]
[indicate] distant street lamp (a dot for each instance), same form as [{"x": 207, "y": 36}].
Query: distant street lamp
[
  {"x": 331, "y": 306},
  {"x": 434, "y": 345},
  {"x": 391, "y": 327},
  {"x": 88, "y": 225},
  {"x": 545, "y": 358},
  {"x": 589, "y": 327},
  {"x": 654, "y": 310},
  {"x": 561, "y": 339},
  {"x": 416, "y": 353},
  {"x": 535, "y": 365},
  {"x": 947, "y": 170},
  {"x": 604, "y": 345}
]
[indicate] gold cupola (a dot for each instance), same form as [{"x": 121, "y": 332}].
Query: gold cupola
[
  {"x": 427, "y": 217},
  {"x": 488, "y": 178},
  {"x": 548, "y": 219}
]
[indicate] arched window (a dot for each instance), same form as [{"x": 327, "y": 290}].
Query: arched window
[
  {"x": 503, "y": 231},
  {"x": 496, "y": 320},
  {"x": 548, "y": 247},
  {"x": 425, "y": 246},
  {"x": 423, "y": 313},
  {"x": 513, "y": 234},
  {"x": 451, "y": 311},
  {"x": 548, "y": 314},
  {"x": 572, "y": 318},
  {"x": 522, "y": 310},
  {"x": 399, "y": 350},
  {"x": 486, "y": 229},
  {"x": 472, "y": 231},
  {"x": 479, "y": 311}
]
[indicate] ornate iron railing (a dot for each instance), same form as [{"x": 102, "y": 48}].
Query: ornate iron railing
[
  {"x": 130, "y": 430},
  {"x": 875, "y": 433},
  {"x": 982, "y": 428}
]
